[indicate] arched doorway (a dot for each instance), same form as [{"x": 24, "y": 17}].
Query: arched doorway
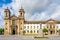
[
  {"x": 14, "y": 30},
  {"x": 51, "y": 32},
  {"x": 51, "y": 28}
]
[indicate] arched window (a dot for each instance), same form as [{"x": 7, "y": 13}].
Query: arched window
[
  {"x": 31, "y": 27},
  {"x": 6, "y": 24},
  {"x": 47, "y": 26},
  {"x": 37, "y": 27},
  {"x": 27, "y": 27},
  {"x": 34, "y": 31},
  {"x": 50, "y": 26},
  {"x": 27, "y": 31},
  {"x": 21, "y": 14},
  {"x": 37, "y": 31},
  {"x": 13, "y": 22},
  {"x": 53, "y": 26},
  {"x": 6, "y": 28},
  {"x": 34, "y": 27},
  {"x": 6, "y": 14}
]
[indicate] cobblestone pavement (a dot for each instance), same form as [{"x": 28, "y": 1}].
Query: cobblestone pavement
[
  {"x": 16, "y": 38},
  {"x": 28, "y": 38},
  {"x": 54, "y": 37},
  {"x": 42, "y": 39}
]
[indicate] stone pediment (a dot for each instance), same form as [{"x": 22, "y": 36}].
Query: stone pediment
[
  {"x": 14, "y": 17},
  {"x": 51, "y": 21}
]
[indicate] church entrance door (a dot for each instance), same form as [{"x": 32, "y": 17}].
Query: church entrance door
[
  {"x": 51, "y": 32},
  {"x": 13, "y": 32}
]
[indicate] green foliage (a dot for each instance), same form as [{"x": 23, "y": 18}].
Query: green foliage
[
  {"x": 59, "y": 30},
  {"x": 24, "y": 32},
  {"x": 45, "y": 30},
  {"x": 30, "y": 31},
  {"x": 1, "y": 29}
]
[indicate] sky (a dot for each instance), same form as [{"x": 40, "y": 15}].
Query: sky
[{"x": 34, "y": 9}]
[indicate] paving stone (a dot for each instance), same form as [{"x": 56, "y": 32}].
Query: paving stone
[
  {"x": 16, "y": 38},
  {"x": 54, "y": 37}
]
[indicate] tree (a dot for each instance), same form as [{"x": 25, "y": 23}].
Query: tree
[
  {"x": 30, "y": 31},
  {"x": 1, "y": 30},
  {"x": 59, "y": 31},
  {"x": 44, "y": 31},
  {"x": 24, "y": 32}
]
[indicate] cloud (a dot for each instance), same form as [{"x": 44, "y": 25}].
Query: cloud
[
  {"x": 56, "y": 14},
  {"x": 34, "y": 9}
]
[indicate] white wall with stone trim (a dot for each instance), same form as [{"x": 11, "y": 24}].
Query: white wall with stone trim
[{"x": 33, "y": 27}]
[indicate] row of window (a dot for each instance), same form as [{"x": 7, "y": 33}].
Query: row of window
[
  {"x": 51, "y": 26},
  {"x": 34, "y": 31},
  {"x": 32, "y": 27}
]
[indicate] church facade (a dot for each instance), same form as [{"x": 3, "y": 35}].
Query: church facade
[{"x": 14, "y": 25}]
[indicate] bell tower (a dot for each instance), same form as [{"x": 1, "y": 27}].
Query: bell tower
[
  {"x": 6, "y": 21},
  {"x": 21, "y": 20},
  {"x": 7, "y": 13},
  {"x": 21, "y": 11}
]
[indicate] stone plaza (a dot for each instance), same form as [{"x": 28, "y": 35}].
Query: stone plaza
[{"x": 17, "y": 37}]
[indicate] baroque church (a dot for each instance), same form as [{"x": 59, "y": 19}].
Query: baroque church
[{"x": 14, "y": 25}]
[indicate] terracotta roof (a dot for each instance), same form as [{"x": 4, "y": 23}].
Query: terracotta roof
[
  {"x": 51, "y": 19},
  {"x": 41, "y": 21},
  {"x": 34, "y": 22},
  {"x": 58, "y": 22}
]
